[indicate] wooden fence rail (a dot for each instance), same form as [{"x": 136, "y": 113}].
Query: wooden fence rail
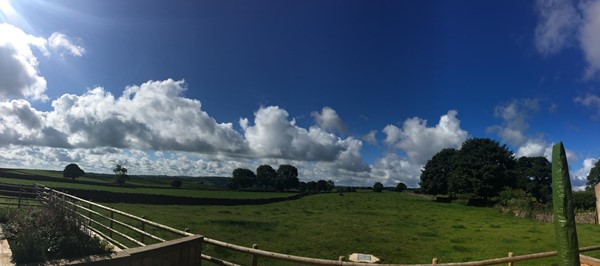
[{"x": 104, "y": 220}]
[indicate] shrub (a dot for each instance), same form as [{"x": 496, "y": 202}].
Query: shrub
[
  {"x": 53, "y": 231},
  {"x": 584, "y": 200},
  {"x": 378, "y": 187},
  {"x": 176, "y": 183},
  {"x": 401, "y": 187}
]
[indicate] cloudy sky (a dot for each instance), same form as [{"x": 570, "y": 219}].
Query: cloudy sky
[{"x": 353, "y": 91}]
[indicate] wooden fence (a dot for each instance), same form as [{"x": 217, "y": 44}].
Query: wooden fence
[
  {"x": 127, "y": 231},
  {"x": 18, "y": 195}
]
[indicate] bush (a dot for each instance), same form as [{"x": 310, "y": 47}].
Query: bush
[
  {"x": 378, "y": 187},
  {"x": 401, "y": 187},
  {"x": 176, "y": 183},
  {"x": 53, "y": 231},
  {"x": 584, "y": 200}
]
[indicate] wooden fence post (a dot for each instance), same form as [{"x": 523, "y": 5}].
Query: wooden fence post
[
  {"x": 510, "y": 255},
  {"x": 143, "y": 229},
  {"x": 20, "y": 192},
  {"x": 201, "y": 242},
  {"x": 111, "y": 223},
  {"x": 254, "y": 256},
  {"x": 90, "y": 215}
]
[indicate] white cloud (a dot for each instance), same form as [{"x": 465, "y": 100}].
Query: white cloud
[
  {"x": 590, "y": 101},
  {"x": 329, "y": 120},
  {"x": 579, "y": 177},
  {"x": 563, "y": 24},
  {"x": 420, "y": 142},
  {"x": 590, "y": 37},
  {"x": 19, "y": 73},
  {"x": 371, "y": 137},
  {"x": 392, "y": 169},
  {"x": 557, "y": 25},
  {"x": 514, "y": 115},
  {"x": 59, "y": 41},
  {"x": 273, "y": 135},
  {"x": 154, "y": 116}
]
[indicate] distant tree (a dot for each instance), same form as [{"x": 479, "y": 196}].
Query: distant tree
[
  {"x": 121, "y": 174},
  {"x": 401, "y": 187},
  {"x": 311, "y": 186},
  {"x": 302, "y": 186},
  {"x": 321, "y": 186},
  {"x": 265, "y": 175},
  {"x": 287, "y": 177},
  {"x": 435, "y": 174},
  {"x": 73, "y": 171},
  {"x": 594, "y": 176},
  {"x": 176, "y": 183},
  {"x": 378, "y": 187},
  {"x": 482, "y": 168},
  {"x": 243, "y": 177},
  {"x": 534, "y": 175},
  {"x": 330, "y": 185}
]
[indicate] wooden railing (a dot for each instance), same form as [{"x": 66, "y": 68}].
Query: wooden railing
[
  {"x": 18, "y": 195},
  {"x": 125, "y": 230}
]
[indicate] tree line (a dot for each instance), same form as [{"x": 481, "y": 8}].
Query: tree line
[
  {"x": 284, "y": 178},
  {"x": 482, "y": 168}
]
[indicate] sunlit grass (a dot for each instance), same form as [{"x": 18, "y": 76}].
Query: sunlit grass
[{"x": 396, "y": 227}]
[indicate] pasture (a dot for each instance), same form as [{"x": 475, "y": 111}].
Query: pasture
[
  {"x": 396, "y": 227},
  {"x": 141, "y": 185}
]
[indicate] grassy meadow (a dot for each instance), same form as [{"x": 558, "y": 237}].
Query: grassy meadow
[
  {"x": 396, "y": 227},
  {"x": 154, "y": 185}
]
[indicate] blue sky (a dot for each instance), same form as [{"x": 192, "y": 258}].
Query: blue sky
[{"x": 353, "y": 91}]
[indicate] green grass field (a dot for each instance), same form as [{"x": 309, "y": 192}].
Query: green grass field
[
  {"x": 396, "y": 227},
  {"x": 159, "y": 186}
]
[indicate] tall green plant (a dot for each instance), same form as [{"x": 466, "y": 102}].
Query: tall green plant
[{"x": 564, "y": 214}]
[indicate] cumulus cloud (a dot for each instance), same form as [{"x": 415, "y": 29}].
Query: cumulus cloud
[
  {"x": 513, "y": 129},
  {"x": 534, "y": 148},
  {"x": 274, "y": 135},
  {"x": 562, "y": 24},
  {"x": 329, "y": 120},
  {"x": 392, "y": 169},
  {"x": 557, "y": 25},
  {"x": 514, "y": 115},
  {"x": 60, "y": 42},
  {"x": 371, "y": 137},
  {"x": 590, "y": 39},
  {"x": 420, "y": 142},
  {"x": 579, "y": 177},
  {"x": 155, "y": 116},
  {"x": 19, "y": 74}
]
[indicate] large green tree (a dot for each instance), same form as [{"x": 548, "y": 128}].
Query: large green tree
[
  {"x": 265, "y": 175},
  {"x": 534, "y": 175},
  {"x": 287, "y": 177},
  {"x": 435, "y": 174},
  {"x": 482, "y": 168},
  {"x": 243, "y": 177},
  {"x": 594, "y": 176},
  {"x": 73, "y": 171}
]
